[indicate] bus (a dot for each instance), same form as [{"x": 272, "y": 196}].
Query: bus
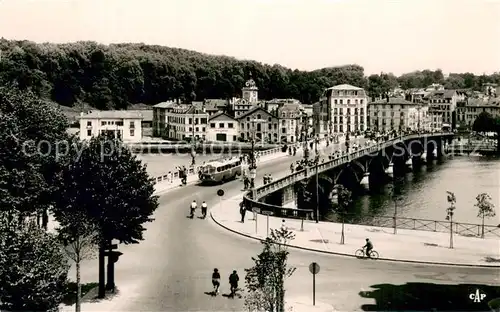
[{"x": 220, "y": 170}]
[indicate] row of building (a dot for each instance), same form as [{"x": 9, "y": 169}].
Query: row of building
[{"x": 341, "y": 109}]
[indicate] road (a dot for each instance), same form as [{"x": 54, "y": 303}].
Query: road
[{"x": 171, "y": 269}]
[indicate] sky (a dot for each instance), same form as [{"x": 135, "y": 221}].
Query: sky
[{"x": 395, "y": 36}]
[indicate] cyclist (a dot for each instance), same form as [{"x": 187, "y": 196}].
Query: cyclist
[
  {"x": 193, "y": 207},
  {"x": 369, "y": 248},
  {"x": 216, "y": 281},
  {"x": 233, "y": 281},
  {"x": 204, "y": 209}
]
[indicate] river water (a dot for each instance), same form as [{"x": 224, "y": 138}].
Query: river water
[{"x": 423, "y": 194}]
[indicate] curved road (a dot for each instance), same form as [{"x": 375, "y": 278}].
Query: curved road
[{"x": 171, "y": 269}]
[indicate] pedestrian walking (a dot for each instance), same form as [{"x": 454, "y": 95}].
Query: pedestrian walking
[
  {"x": 243, "y": 212},
  {"x": 204, "y": 208},
  {"x": 192, "y": 209}
]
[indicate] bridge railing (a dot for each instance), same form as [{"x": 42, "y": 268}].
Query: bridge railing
[{"x": 297, "y": 176}]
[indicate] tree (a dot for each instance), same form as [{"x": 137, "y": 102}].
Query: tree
[
  {"x": 79, "y": 238},
  {"x": 33, "y": 267},
  {"x": 111, "y": 188},
  {"x": 265, "y": 281},
  {"x": 344, "y": 200},
  {"x": 485, "y": 122},
  {"x": 486, "y": 209},
  {"x": 452, "y": 200},
  {"x": 33, "y": 136}
]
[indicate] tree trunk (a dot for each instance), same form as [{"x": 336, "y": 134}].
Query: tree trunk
[
  {"x": 78, "y": 286},
  {"x": 482, "y": 227},
  {"x": 102, "y": 277}
]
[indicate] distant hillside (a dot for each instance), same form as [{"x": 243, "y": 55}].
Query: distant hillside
[{"x": 118, "y": 75}]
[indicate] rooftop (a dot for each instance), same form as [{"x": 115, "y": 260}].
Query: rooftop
[
  {"x": 114, "y": 114},
  {"x": 393, "y": 100},
  {"x": 147, "y": 114},
  {"x": 345, "y": 87}
]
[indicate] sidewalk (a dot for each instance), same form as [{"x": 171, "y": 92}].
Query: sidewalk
[
  {"x": 304, "y": 304},
  {"x": 405, "y": 246}
]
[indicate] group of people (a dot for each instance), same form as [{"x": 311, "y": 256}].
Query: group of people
[
  {"x": 267, "y": 178},
  {"x": 233, "y": 282},
  {"x": 194, "y": 206}
]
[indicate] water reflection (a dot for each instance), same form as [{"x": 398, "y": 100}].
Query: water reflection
[{"x": 422, "y": 194}]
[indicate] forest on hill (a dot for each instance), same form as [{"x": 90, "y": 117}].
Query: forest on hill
[{"x": 118, "y": 75}]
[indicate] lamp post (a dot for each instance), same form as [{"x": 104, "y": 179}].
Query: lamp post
[
  {"x": 253, "y": 163},
  {"x": 316, "y": 163},
  {"x": 193, "y": 143}
]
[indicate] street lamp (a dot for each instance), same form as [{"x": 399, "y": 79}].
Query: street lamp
[
  {"x": 193, "y": 143},
  {"x": 316, "y": 163},
  {"x": 253, "y": 164}
]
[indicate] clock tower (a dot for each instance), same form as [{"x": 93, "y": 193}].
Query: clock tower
[{"x": 250, "y": 92}]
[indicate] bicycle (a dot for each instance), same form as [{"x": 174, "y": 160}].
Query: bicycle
[{"x": 360, "y": 254}]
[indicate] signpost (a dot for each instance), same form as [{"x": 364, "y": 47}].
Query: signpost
[
  {"x": 220, "y": 193},
  {"x": 255, "y": 212},
  {"x": 267, "y": 213},
  {"x": 314, "y": 269}
]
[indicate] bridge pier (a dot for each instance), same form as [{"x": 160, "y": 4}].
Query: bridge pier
[
  {"x": 288, "y": 195},
  {"x": 431, "y": 146},
  {"x": 377, "y": 177}
]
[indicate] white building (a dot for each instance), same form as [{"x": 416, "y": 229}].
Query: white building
[
  {"x": 122, "y": 124},
  {"x": 223, "y": 128},
  {"x": 341, "y": 109},
  {"x": 398, "y": 114},
  {"x": 444, "y": 103}
]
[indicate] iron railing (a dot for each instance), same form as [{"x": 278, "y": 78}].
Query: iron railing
[
  {"x": 306, "y": 173},
  {"x": 465, "y": 229}
]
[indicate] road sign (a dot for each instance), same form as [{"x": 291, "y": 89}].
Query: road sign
[
  {"x": 256, "y": 210},
  {"x": 267, "y": 213},
  {"x": 220, "y": 192},
  {"x": 314, "y": 268}
]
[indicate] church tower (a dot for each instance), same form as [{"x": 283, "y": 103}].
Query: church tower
[{"x": 250, "y": 91}]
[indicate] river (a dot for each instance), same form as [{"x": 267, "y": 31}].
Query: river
[{"x": 423, "y": 193}]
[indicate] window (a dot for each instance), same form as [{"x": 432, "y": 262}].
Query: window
[
  {"x": 348, "y": 101},
  {"x": 269, "y": 119},
  {"x": 132, "y": 132},
  {"x": 269, "y": 126},
  {"x": 197, "y": 129},
  {"x": 119, "y": 123},
  {"x": 203, "y": 129},
  {"x": 356, "y": 101},
  {"x": 341, "y": 101},
  {"x": 221, "y": 125},
  {"x": 190, "y": 121},
  {"x": 89, "y": 132},
  {"x": 212, "y": 125},
  {"x": 103, "y": 123},
  {"x": 230, "y": 125},
  {"x": 248, "y": 118},
  {"x": 335, "y": 101},
  {"x": 190, "y": 129},
  {"x": 258, "y": 116},
  {"x": 89, "y": 123},
  {"x": 132, "y": 125},
  {"x": 360, "y": 101},
  {"x": 203, "y": 121}
]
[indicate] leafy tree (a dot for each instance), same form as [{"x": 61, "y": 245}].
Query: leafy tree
[
  {"x": 485, "y": 122},
  {"x": 111, "y": 188},
  {"x": 33, "y": 134},
  {"x": 33, "y": 267},
  {"x": 450, "y": 211},
  {"x": 78, "y": 236},
  {"x": 265, "y": 281},
  {"x": 485, "y": 209},
  {"x": 344, "y": 199}
]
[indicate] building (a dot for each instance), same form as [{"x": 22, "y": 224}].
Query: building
[
  {"x": 490, "y": 89},
  {"x": 187, "y": 121},
  {"x": 290, "y": 126},
  {"x": 222, "y": 128},
  {"x": 249, "y": 99},
  {"x": 214, "y": 106},
  {"x": 398, "y": 114},
  {"x": 466, "y": 114},
  {"x": 341, "y": 109},
  {"x": 125, "y": 125},
  {"x": 273, "y": 105},
  {"x": 259, "y": 124},
  {"x": 444, "y": 103}
]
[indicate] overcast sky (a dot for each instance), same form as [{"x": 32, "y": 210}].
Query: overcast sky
[{"x": 391, "y": 36}]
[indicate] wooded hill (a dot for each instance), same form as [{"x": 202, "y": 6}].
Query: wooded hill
[{"x": 118, "y": 75}]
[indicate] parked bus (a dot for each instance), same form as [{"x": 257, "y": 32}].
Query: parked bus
[{"x": 220, "y": 170}]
